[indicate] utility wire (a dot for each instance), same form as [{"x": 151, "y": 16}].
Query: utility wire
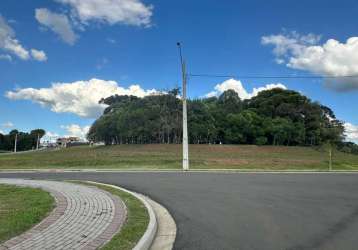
[{"x": 270, "y": 77}]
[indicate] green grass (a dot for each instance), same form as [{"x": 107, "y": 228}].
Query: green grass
[
  {"x": 135, "y": 224},
  {"x": 21, "y": 208},
  {"x": 169, "y": 157}
]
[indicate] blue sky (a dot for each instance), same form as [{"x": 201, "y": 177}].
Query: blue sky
[{"x": 133, "y": 42}]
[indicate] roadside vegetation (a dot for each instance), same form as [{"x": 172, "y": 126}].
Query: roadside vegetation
[
  {"x": 21, "y": 208},
  {"x": 135, "y": 224},
  {"x": 168, "y": 156}
]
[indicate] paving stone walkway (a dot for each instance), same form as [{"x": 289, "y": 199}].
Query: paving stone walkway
[{"x": 84, "y": 218}]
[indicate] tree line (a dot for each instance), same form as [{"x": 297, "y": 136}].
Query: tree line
[
  {"x": 25, "y": 141},
  {"x": 273, "y": 117}
]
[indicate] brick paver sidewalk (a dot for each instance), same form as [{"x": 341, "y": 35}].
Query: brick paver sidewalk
[{"x": 84, "y": 218}]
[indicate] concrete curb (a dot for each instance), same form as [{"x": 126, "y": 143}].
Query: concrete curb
[
  {"x": 167, "y": 229},
  {"x": 294, "y": 171},
  {"x": 148, "y": 237}
]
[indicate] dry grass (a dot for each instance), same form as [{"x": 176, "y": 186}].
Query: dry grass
[{"x": 169, "y": 157}]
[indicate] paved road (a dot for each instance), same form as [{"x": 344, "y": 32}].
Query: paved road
[{"x": 248, "y": 211}]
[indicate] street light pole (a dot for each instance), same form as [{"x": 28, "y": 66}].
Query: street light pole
[
  {"x": 185, "y": 115},
  {"x": 38, "y": 141},
  {"x": 15, "y": 146}
]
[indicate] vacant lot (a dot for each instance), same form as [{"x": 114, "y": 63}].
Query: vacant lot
[{"x": 169, "y": 157}]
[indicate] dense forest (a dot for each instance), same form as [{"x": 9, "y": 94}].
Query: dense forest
[
  {"x": 273, "y": 117},
  {"x": 25, "y": 141}
]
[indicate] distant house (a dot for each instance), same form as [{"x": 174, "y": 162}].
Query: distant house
[
  {"x": 48, "y": 144},
  {"x": 65, "y": 142}
]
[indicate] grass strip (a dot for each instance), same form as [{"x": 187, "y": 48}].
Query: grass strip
[
  {"x": 136, "y": 222},
  {"x": 21, "y": 208}
]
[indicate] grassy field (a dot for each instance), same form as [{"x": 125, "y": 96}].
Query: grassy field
[
  {"x": 169, "y": 157},
  {"x": 21, "y": 208},
  {"x": 136, "y": 222}
]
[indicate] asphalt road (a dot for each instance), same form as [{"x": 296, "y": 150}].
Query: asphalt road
[{"x": 248, "y": 211}]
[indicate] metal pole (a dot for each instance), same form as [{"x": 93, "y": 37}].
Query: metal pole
[
  {"x": 38, "y": 142},
  {"x": 330, "y": 158},
  {"x": 15, "y": 147},
  {"x": 185, "y": 115}
]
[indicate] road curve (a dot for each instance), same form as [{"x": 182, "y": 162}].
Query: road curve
[
  {"x": 247, "y": 210},
  {"x": 84, "y": 218}
]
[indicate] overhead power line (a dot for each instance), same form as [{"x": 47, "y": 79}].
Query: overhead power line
[{"x": 270, "y": 77}]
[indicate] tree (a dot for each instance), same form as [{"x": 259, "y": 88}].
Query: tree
[
  {"x": 276, "y": 117},
  {"x": 25, "y": 141}
]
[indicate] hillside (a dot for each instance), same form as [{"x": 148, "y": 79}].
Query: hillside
[{"x": 163, "y": 156}]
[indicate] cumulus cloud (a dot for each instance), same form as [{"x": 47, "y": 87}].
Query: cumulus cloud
[
  {"x": 7, "y": 125},
  {"x": 39, "y": 55},
  {"x": 351, "y": 132},
  {"x": 49, "y": 137},
  {"x": 80, "y": 97},
  {"x": 58, "y": 23},
  {"x": 332, "y": 58},
  {"x": 51, "y": 134},
  {"x": 82, "y": 13},
  {"x": 9, "y": 43},
  {"x": 72, "y": 130},
  {"x": 291, "y": 43},
  {"x": 76, "y": 130},
  {"x": 238, "y": 87},
  {"x": 6, "y": 57},
  {"x": 131, "y": 12}
]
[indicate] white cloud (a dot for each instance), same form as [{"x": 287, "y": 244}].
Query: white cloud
[
  {"x": 292, "y": 43},
  {"x": 131, "y": 12},
  {"x": 39, "y": 55},
  {"x": 76, "y": 130},
  {"x": 238, "y": 87},
  {"x": 6, "y": 57},
  {"x": 351, "y": 132},
  {"x": 82, "y": 13},
  {"x": 9, "y": 43},
  {"x": 51, "y": 134},
  {"x": 58, "y": 23},
  {"x": 111, "y": 40},
  {"x": 102, "y": 63},
  {"x": 49, "y": 137},
  {"x": 7, "y": 125},
  {"x": 80, "y": 97},
  {"x": 332, "y": 58}
]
